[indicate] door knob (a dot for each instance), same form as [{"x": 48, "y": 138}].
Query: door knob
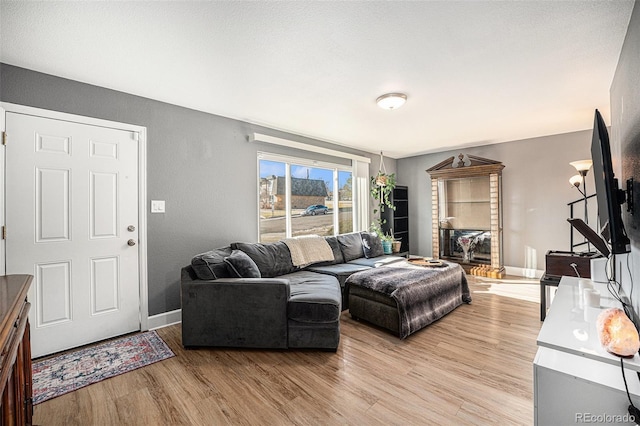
[
  {"x": 131, "y": 228},
  {"x": 131, "y": 242}
]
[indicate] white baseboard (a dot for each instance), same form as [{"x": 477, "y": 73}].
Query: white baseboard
[
  {"x": 165, "y": 319},
  {"x": 524, "y": 272}
]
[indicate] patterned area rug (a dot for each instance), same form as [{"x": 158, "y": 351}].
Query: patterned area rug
[{"x": 73, "y": 370}]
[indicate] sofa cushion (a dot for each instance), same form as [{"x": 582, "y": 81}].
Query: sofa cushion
[
  {"x": 351, "y": 246},
  {"x": 341, "y": 271},
  {"x": 241, "y": 266},
  {"x": 374, "y": 262},
  {"x": 314, "y": 298},
  {"x": 272, "y": 259},
  {"x": 371, "y": 245},
  {"x": 210, "y": 265}
]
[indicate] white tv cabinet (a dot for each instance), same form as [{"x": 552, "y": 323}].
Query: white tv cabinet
[{"x": 575, "y": 380}]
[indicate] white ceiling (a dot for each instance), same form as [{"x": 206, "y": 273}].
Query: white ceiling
[{"x": 474, "y": 72}]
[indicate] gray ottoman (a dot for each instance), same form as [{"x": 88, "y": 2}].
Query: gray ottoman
[{"x": 404, "y": 298}]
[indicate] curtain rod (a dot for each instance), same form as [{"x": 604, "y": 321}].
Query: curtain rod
[{"x": 259, "y": 137}]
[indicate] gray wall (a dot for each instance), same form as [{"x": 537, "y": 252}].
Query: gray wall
[
  {"x": 535, "y": 191},
  {"x": 201, "y": 164},
  {"x": 625, "y": 137}
]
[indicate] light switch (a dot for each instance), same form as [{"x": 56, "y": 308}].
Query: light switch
[{"x": 157, "y": 206}]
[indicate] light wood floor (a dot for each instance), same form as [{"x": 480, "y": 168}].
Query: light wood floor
[{"x": 474, "y": 366}]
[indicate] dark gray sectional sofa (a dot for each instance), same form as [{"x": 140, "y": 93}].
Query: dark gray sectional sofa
[{"x": 251, "y": 295}]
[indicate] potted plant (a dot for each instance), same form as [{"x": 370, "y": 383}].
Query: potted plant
[
  {"x": 386, "y": 239},
  {"x": 396, "y": 245},
  {"x": 387, "y": 244}
]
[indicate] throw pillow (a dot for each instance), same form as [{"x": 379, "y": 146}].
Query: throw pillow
[
  {"x": 372, "y": 245},
  {"x": 241, "y": 266},
  {"x": 273, "y": 259},
  {"x": 335, "y": 247},
  {"x": 351, "y": 246},
  {"x": 210, "y": 265}
]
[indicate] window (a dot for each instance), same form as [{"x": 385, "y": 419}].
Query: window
[
  {"x": 303, "y": 197},
  {"x": 272, "y": 201},
  {"x": 345, "y": 202}
]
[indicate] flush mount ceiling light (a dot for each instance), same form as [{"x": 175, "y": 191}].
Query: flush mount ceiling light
[{"x": 391, "y": 100}]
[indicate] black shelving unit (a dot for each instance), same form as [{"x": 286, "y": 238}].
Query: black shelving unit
[{"x": 398, "y": 219}]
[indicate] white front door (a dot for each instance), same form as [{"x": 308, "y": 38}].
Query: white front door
[{"x": 72, "y": 222}]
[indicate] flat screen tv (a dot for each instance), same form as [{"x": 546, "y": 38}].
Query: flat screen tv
[{"x": 609, "y": 196}]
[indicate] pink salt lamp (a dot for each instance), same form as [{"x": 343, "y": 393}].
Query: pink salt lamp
[{"x": 617, "y": 333}]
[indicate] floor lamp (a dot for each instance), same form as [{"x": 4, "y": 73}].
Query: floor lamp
[{"x": 582, "y": 167}]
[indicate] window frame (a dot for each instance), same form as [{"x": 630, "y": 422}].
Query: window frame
[{"x": 288, "y": 161}]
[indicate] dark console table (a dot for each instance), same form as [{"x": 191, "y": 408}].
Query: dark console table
[
  {"x": 546, "y": 280},
  {"x": 15, "y": 356}
]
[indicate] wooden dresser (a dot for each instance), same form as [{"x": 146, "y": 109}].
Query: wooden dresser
[{"x": 15, "y": 356}]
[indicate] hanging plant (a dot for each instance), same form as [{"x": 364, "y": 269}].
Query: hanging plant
[
  {"x": 382, "y": 186},
  {"x": 382, "y": 193},
  {"x": 381, "y": 179}
]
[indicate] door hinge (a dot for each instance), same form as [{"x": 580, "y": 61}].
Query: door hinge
[{"x": 4, "y": 138}]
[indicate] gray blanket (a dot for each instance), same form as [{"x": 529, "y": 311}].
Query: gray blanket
[{"x": 423, "y": 295}]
